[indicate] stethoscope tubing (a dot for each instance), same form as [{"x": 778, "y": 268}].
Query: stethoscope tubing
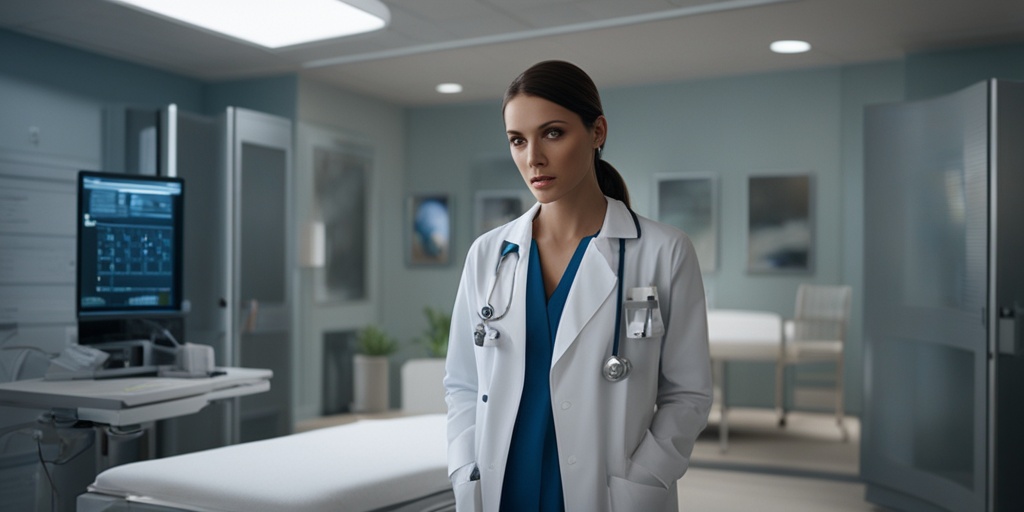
[
  {"x": 506, "y": 249},
  {"x": 618, "y": 305}
]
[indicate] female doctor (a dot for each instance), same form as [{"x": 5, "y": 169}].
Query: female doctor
[{"x": 578, "y": 375}]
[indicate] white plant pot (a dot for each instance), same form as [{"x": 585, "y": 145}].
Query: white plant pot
[
  {"x": 423, "y": 386},
  {"x": 370, "y": 383}
]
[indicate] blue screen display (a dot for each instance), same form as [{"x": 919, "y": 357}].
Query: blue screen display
[{"x": 129, "y": 244}]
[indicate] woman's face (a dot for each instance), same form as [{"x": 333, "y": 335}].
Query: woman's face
[{"x": 552, "y": 148}]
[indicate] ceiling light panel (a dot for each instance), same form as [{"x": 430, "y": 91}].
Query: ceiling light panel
[
  {"x": 272, "y": 24},
  {"x": 449, "y": 88},
  {"x": 790, "y": 46}
]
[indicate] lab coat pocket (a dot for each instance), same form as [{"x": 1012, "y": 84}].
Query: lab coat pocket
[
  {"x": 467, "y": 497},
  {"x": 629, "y": 496},
  {"x": 643, "y": 314}
]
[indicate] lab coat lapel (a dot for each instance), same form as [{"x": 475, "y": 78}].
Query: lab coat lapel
[
  {"x": 522, "y": 235},
  {"x": 596, "y": 280},
  {"x": 594, "y": 284}
]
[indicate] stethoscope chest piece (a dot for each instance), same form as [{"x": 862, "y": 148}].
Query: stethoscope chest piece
[
  {"x": 478, "y": 335},
  {"x": 616, "y": 368},
  {"x": 482, "y": 334}
]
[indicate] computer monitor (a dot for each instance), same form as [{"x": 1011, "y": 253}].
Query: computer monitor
[{"x": 129, "y": 246}]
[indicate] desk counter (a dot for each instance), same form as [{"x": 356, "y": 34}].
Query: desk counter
[{"x": 133, "y": 400}]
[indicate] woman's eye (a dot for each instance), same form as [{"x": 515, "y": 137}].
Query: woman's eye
[
  {"x": 553, "y": 133},
  {"x": 516, "y": 141}
]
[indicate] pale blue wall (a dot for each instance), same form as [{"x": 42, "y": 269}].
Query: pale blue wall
[
  {"x": 277, "y": 95},
  {"x": 45, "y": 81},
  {"x": 329, "y": 117},
  {"x": 93, "y": 76},
  {"x": 444, "y": 145}
]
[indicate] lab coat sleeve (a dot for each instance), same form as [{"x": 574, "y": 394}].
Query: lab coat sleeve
[
  {"x": 460, "y": 381},
  {"x": 684, "y": 385}
]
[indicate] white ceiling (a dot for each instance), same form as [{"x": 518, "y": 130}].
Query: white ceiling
[{"x": 483, "y": 44}]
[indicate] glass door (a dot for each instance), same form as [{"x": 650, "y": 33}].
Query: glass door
[
  {"x": 924, "y": 434},
  {"x": 192, "y": 148},
  {"x": 259, "y": 161}
]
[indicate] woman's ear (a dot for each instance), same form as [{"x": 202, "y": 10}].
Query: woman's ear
[{"x": 600, "y": 131}]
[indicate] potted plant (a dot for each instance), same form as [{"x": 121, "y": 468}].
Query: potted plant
[
  {"x": 435, "y": 337},
  {"x": 422, "y": 387},
  {"x": 370, "y": 370}
]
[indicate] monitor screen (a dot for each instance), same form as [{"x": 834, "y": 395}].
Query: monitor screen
[{"x": 129, "y": 244}]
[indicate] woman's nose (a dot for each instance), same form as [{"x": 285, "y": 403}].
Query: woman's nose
[{"x": 535, "y": 156}]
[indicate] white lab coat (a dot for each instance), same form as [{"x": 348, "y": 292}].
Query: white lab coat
[{"x": 621, "y": 445}]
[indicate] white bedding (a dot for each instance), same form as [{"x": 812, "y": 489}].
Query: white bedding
[
  {"x": 744, "y": 335},
  {"x": 367, "y": 465}
]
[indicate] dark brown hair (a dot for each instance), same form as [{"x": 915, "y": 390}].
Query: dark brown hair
[{"x": 568, "y": 86}]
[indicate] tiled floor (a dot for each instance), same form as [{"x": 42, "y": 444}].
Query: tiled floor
[
  {"x": 804, "y": 467},
  {"x": 713, "y": 490},
  {"x": 808, "y": 443}
]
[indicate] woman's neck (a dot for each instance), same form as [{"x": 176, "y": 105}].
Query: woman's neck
[{"x": 568, "y": 220}]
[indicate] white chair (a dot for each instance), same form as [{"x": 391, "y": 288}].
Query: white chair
[{"x": 816, "y": 334}]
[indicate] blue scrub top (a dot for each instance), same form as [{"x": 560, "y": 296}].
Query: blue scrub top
[{"x": 533, "y": 480}]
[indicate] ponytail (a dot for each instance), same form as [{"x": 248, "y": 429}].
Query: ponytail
[{"x": 611, "y": 182}]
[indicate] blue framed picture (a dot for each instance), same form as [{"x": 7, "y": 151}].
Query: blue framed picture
[{"x": 428, "y": 231}]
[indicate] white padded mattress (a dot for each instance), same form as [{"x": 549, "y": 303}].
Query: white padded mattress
[
  {"x": 744, "y": 335},
  {"x": 360, "y": 466}
]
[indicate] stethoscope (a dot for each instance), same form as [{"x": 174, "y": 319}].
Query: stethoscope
[
  {"x": 483, "y": 331},
  {"x": 615, "y": 368}
]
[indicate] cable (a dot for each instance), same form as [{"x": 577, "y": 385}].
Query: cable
[
  {"x": 49, "y": 420},
  {"x": 162, "y": 330},
  {"x": 53, "y": 488}
]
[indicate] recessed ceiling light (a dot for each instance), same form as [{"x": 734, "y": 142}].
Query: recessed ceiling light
[
  {"x": 273, "y": 24},
  {"x": 790, "y": 46},
  {"x": 449, "y": 88}
]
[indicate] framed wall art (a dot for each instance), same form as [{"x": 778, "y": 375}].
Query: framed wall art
[
  {"x": 493, "y": 208},
  {"x": 428, "y": 229},
  {"x": 341, "y": 174},
  {"x": 689, "y": 201},
  {"x": 780, "y": 234}
]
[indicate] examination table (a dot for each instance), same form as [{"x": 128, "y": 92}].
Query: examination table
[{"x": 393, "y": 465}]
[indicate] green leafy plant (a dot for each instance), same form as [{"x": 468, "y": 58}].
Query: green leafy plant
[
  {"x": 373, "y": 341},
  {"x": 435, "y": 337}
]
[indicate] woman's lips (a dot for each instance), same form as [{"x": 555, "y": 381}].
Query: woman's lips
[{"x": 541, "y": 181}]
